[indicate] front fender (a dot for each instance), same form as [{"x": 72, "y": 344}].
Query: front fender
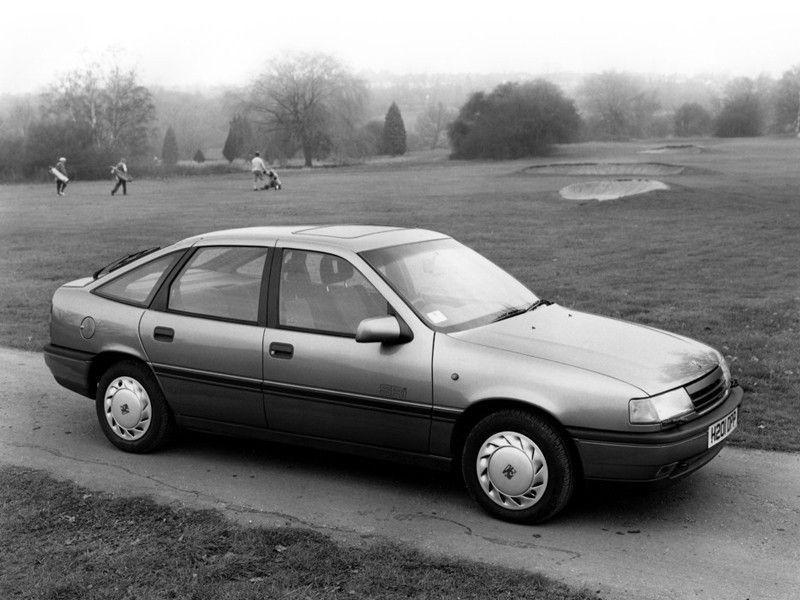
[{"x": 466, "y": 373}]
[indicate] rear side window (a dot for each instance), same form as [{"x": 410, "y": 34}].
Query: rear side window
[
  {"x": 220, "y": 282},
  {"x": 139, "y": 285}
]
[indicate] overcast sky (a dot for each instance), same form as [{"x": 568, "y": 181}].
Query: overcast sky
[{"x": 183, "y": 44}]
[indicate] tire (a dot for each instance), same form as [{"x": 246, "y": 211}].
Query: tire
[
  {"x": 518, "y": 467},
  {"x": 131, "y": 408}
]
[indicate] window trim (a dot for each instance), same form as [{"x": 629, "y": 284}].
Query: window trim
[
  {"x": 161, "y": 301},
  {"x": 176, "y": 257},
  {"x": 273, "y": 316}
]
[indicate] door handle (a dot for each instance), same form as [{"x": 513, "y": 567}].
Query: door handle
[
  {"x": 163, "y": 334},
  {"x": 280, "y": 350}
]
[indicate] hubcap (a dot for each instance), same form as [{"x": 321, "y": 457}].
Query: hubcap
[
  {"x": 127, "y": 407},
  {"x": 512, "y": 470}
]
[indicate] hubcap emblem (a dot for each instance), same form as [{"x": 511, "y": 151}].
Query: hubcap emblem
[
  {"x": 509, "y": 472},
  {"x": 124, "y": 409}
]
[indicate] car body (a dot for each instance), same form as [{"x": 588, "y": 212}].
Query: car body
[{"x": 393, "y": 343}]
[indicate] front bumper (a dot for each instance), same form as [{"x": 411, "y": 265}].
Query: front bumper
[
  {"x": 70, "y": 368},
  {"x": 655, "y": 456}
]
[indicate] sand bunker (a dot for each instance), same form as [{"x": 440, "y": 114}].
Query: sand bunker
[
  {"x": 595, "y": 169},
  {"x": 611, "y": 189},
  {"x": 674, "y": 149}
]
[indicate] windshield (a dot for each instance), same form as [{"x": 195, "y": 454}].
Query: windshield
[{"x": 448, "y": 285}]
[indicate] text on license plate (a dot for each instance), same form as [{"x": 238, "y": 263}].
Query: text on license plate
[{"x": 723, "y": 428}]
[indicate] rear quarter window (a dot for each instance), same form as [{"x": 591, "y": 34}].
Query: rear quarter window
[{"x": 139, "y": 285}]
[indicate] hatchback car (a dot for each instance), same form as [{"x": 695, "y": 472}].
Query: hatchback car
[{"x": 392, "y": 343}]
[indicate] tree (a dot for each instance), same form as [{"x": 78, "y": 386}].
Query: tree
[
  {"x": 199, "y": 157},
  {"x": 202, "y": 118},
  {"x": 50, "y": 138},
  {"x": 169, "y": 150},
  {"x": 617, "y": 105},
  {"x": 128, "y": 111},
  {"x": 109, "y": 105},
  {"x": 394, "y": 132},
  {"x": 433, "y": 122},
  {"x": 515, "y": 120},
  {"x": 741, "y": 114},
  {"x": 692, "y": 119},
  {"x": 310, "y": 100},
  {"x": 370, "y": 139},
  {"x": 240, "y": 139},
  {"x": 787, "y": 102}
]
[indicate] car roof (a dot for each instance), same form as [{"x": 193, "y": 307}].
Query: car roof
[{"x": 356, "y": 238}]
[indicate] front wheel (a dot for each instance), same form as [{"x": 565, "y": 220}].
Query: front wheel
[
  {"x": 518, "y": 467},
  {"x": 131, "y": 409}
]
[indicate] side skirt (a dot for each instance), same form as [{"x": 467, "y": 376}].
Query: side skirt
[{"x": 430, "y": 461}]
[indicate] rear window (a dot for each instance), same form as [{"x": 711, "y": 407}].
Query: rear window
[{"x": 139, "y": 285}]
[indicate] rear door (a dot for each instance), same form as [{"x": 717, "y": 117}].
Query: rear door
[
  {"x": 318, "y": 380},
  {"x": 204, "y": 335}
]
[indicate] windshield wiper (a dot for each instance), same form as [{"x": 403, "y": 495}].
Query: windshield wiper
[
  {"x": 121, "y": 262},
  {"x": 513, "y": 312},
  {"x": 537, "y": 304}
]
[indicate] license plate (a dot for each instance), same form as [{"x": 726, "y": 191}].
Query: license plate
[{"x": 723, "y": 428}]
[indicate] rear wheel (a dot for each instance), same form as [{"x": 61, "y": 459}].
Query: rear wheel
[
  {"x": 131, "y": 409},
  {"x": 518, "y": 467}
]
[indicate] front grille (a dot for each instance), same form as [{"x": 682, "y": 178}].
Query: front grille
[{"x": 707, "y": 391}]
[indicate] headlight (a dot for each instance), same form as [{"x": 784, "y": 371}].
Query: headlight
[
  {"x": 657, "y": 409},
  {"x": 726, "y": 370}
]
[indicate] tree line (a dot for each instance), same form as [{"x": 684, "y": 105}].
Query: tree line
[{"x": 311, "y": 106}]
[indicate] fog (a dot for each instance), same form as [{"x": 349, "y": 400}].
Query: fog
[{"x": 184, "y": 45}]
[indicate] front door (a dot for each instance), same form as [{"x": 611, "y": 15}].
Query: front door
[
  {"x": 205, "y": 344},
  {"x": 319, "y": 381}
]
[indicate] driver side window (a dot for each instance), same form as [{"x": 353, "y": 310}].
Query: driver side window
[{"x": 325, "y": 293}]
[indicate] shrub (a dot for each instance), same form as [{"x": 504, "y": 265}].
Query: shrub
[
  {"x": 515, "y": 120},
  {"x": 199, "y": 157}
]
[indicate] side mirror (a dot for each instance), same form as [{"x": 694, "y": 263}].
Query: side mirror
[{"x": 386, "y": 330}]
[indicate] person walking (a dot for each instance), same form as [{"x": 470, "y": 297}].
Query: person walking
[
  {"x": 259, "y": 170},
  {"x": 61, "y": 183},
  {"x": 121, "y": 171}
]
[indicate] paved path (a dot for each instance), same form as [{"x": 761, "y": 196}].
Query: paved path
[{"x": 730, "y": 531}]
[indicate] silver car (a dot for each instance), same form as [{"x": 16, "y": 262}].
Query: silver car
[{"x": 393, "y": 343}]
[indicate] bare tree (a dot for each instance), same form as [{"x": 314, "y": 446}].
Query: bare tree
[
  {"x": 433, "y": 122},
  {"x": 310, "y": 100},
  {"x": 787, "y": 102},
  {"x": 18, "y": 118},
  {"x": 128, "y": 111},
  {"x": 77, "y": 98},
  {"x": 618, "y": 105},
  {"x": 742, "y": 113},
  {"x": 110, "y": 107}
]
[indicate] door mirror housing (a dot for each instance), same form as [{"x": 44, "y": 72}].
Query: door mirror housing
[{"x": 386, "y": 330}]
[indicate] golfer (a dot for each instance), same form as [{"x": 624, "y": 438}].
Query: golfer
[
  {"x": 259, "y": 170},
  {"x": 121, "y": 167},
  {"x": 61, "y": 167}
]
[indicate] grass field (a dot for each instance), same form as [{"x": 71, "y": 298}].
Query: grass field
[
  {"x": 715, "y": 258},
  {"x": 62, "y": 541}
]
